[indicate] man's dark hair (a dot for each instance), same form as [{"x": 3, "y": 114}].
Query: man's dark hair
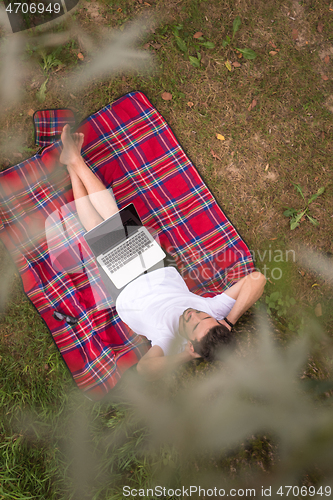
[{"x": 216, "y": 338}]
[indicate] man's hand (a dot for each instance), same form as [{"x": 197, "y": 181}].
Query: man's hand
[
  {"x": 246, "y": 292},
  {"x": 224, "y": 323}
]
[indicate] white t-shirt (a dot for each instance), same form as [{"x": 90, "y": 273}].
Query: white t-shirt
[{"x": 152, "y": 304}]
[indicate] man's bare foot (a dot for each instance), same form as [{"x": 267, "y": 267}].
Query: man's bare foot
[{"x": 72, "y": 144}]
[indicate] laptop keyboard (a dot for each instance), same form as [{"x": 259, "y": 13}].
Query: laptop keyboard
[{"x": 127, "y": 251}]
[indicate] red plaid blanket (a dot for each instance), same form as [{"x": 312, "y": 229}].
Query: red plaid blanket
[{"x": 133, "y": 150}]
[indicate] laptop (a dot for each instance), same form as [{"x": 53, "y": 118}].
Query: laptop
[{"x": 124, "y": 248}]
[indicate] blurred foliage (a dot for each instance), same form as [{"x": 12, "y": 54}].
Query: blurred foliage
[{"x": 257, "y": 418}]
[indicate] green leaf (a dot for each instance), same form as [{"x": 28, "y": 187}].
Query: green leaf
[
  {"x": 299, "y": 216},
  {"x": 208, "y": 45},
  {"x": 236, "y": 25},
  {"x": 289, "y": 212},
  {"x": 224, "y": 43},
  {"x": 248, "y": 53},
  {"x": 299, "y": 189},
  {"x": 181, "y": 44},
  {"x": 275, "y": 296},
  {"x": 315, "y": 196},
  {"x": 194, "y": 61},
  {"x": 176, "y": 29},
  {"x": 312, "y": 220},
  {"x": 41, "y": 94},
  {"x": 293, "y": 224}
]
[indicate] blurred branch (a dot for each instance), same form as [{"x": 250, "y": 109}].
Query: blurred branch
[
  {"x": 11, "y": 70},
  {"x": 116, "y": 55},
  {"x": 317, "y": 262}
]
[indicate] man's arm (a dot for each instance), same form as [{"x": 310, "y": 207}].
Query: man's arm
[
  {"x": 246, "y": 292},
  {"x": 154, "y": 364}
]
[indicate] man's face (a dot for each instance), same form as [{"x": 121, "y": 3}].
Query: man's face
[{"x": 193, "y": 324}]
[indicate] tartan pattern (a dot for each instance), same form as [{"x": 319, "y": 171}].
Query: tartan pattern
[
  {"x": 48, "y": 124},
  {"x": 132, "y": 149}
]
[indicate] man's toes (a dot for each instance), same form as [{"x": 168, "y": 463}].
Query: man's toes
[
  {"x": 81, "y": 139},
  {"x": 66, "y": 134}
]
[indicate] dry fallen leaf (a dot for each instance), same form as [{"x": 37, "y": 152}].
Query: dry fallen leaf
[
  {"x": 273, "y": 45},
  {"x": 30, "y": 112},
  {"x": 267, "y": 167},
  {"x": 146, "y": 46},
  {"x": 156, "y": 45},
  {"x": 80, "y": 56},
  {"x": 272, "y": 52},
  {"x": 327, "y": 59},
  {"x": 72, "y": 96},
  {"x": 228, "y": 65},
  {"x": 324, "y": 77},
  {"x": 320, "y": 27},
  {"x": 190, "y": 104},
  {"x": 119, "y": 10},
  {"x": 166, "y": 96},
  {"x": 294, "y": 34},
  {"x": 220, "y": 137},
  {"x": 318, "y": 310},
  {"x": 198, "y": 34},
  {"x": 240, "y": 56},
  {"x": 215, "y": 155},
  {"x": 236, "y": 64},
  {"x": 253, "y": 103}
]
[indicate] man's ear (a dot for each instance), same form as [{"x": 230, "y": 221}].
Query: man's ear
[{"x": 190, "y": 344}]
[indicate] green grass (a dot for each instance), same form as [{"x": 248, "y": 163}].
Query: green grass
[{"x": 54, "y": 444}]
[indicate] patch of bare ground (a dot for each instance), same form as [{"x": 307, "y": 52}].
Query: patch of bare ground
[
  {"x": 300, "y": 28},
  {"x": 329, "y": 103}
]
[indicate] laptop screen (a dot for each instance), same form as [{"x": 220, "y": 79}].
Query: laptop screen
[{"x": 114, "y": 230}]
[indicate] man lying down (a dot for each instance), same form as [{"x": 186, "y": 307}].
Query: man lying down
[{"x": 180, "y": 324}]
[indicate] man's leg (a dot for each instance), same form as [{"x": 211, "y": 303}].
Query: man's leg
[
  {"x": 88, "y": 216},
  {"x": 99, "y": 196}
]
